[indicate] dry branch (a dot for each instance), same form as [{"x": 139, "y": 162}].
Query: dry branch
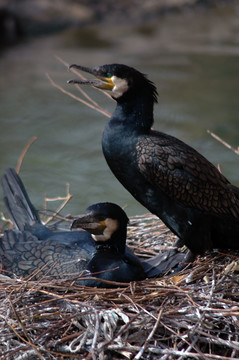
[
  {"x": 20, "y": 160},
  {"x": 236, "y": 151},
  {"x": 65, "y": 200},
  {"x": 89, "y": 101}
]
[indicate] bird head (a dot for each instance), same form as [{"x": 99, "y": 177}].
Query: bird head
[
  {"x": 121, "y": 79},
  {"x": 102, "y": 220}
]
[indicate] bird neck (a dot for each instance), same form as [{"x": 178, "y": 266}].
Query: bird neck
[
  {"x": 117, "y": 242},
  {"x": 136, "y": 112}
]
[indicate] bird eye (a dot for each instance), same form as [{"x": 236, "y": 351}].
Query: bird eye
[{"x": 108, "y": 75}]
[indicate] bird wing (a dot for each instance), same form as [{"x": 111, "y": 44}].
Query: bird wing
[
  {"x": 23, "y": 254},
  {"x": 185, "y": 175}
]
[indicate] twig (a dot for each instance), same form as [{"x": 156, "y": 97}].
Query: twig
[
  {"x": 20, "y": 160},
  {"x": 140, "y": 353},
  {"x": 104, "y": 112},
  {"x": 90, "y": 102},
  {"x": 122, "y": 330},
  {"x": 96, "y": 334},
  {"x": 236, "y": 151},
  {"x": 66, "y": 200},
  {"x": 83, "y": 78},
  {"x": 189, "y": 355},
  {"x": 201, "y": 318},
  {"x": 29, "y": 342}
]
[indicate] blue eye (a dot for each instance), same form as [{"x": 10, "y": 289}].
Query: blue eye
[{"x": 108, "y": 75}]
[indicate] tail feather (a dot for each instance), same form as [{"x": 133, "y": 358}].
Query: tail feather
[
  {"x": 19, "y": 207},
  {"x": 160, "y": 264}
]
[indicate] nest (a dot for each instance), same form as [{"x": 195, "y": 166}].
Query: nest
[{"x": 192, "y": 315}]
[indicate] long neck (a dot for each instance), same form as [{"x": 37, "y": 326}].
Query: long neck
[{"x": 136, "y": 113}]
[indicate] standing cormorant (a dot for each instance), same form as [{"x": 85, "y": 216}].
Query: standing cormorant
[
  {"x": 167, "y": 176},
  {"x": 33, "y": 250}
]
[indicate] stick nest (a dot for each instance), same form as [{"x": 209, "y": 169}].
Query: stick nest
[{"x": 192, "y": 315}]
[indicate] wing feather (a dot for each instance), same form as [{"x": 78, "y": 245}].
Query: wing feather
[{"x": 185, "y": 175}]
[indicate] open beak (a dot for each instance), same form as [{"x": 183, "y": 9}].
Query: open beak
[
  {"x": 101, "y": 81},
  {"x": 89, "y": 223}
]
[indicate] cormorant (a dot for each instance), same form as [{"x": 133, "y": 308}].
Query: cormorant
[
  {"x": 167, "y": 176},
  {"x": 33, "y": 250},
  {"x": 107, "y": 223}
]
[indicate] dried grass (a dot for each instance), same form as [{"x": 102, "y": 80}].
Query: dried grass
[{"x": 193, "y": 315}]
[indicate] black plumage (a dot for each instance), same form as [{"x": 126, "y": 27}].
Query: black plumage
[
  {"x": 35, "y": 251},
  {"x": 167, "y": 176}
]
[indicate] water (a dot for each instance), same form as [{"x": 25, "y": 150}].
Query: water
[{"x": 196, "y": 73}]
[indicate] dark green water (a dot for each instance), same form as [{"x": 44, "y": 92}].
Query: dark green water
[{"x": 194, "y": 61}]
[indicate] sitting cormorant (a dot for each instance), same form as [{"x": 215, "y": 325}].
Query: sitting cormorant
[
  {"x": 107, "y": 223},
  {"x": 33, "y": 250},
  {"x": 167, "y": 176}
]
